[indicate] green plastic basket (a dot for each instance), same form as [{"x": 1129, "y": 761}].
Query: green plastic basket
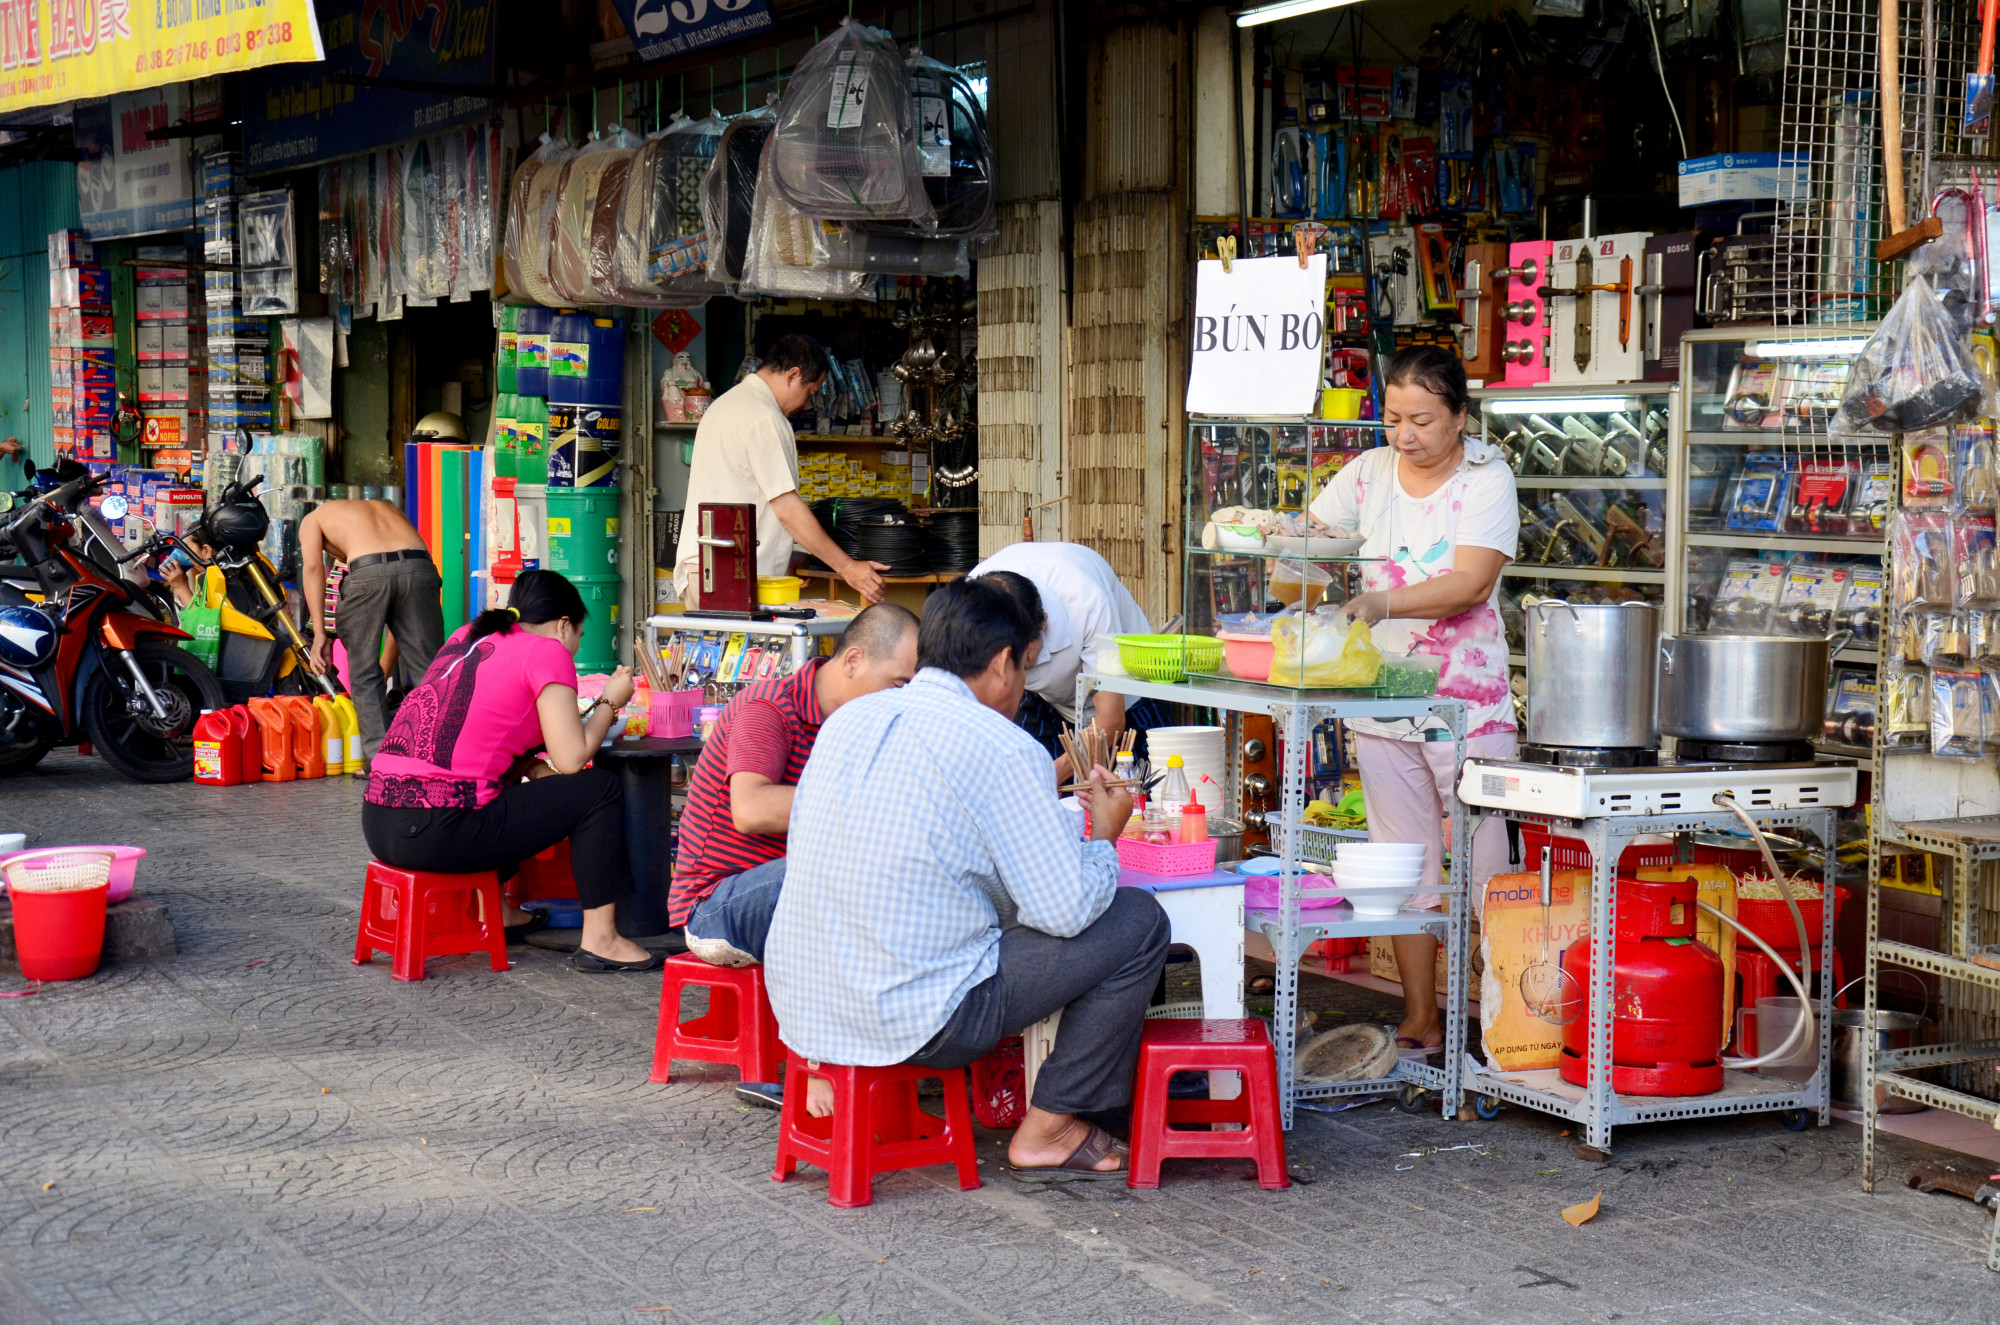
[{"x": 1168, "y": 658}]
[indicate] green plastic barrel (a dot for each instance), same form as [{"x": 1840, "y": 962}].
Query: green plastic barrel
[
  {"x": 583, "y": 531},
  {"x": 599, "y": 650}
]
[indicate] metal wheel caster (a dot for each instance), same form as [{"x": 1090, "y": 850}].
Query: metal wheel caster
[
  {"x": 1411, "y": 1100},
  {"x": 1487, "y": 1107},
  {"x": 1593, "y": 1154},
  {"x": 1796, "y": 1120}
]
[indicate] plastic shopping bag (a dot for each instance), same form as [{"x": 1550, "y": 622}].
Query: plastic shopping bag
[
  {"x": 204, "y": 627},
  {"x": 845, "y": 145},
  {"x": 1916, "y": 371}
]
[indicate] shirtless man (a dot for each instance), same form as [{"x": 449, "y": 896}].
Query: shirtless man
[{"x": 391, "y": 582}]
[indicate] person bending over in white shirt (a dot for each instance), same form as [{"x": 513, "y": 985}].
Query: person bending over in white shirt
[{"x": 937, "y": 897}]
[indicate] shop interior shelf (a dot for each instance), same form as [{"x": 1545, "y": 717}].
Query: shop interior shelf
[
  {"x": 1340, "y": 922},
  {"x": 1777, "y": 440},
  {"x": 1741, "y": 1092},
  {"x": 1572, "y": 481},
  {"x": 1936, "y": 963},
  {"x": 1609, "y": 574},
  {"x": 1869, "y": 545}
]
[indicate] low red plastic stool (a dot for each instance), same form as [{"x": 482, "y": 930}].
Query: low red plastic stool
[
  {"x": 1757, "y": 976},
  {"x": 1000, "y": 1085},
  {"x": 738, "y": 1029},
  {"x": 414, "y": 916},
  {"x": 544, "y": 876},
  {"x": 876, "y": 1127},
  {"x": 1187, "y": 1044}
]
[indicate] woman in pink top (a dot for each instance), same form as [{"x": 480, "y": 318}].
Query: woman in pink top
[{"x": 446, "y": 792}]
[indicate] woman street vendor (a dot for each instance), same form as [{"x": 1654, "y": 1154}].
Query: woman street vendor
[{"x": 1437, "y": 511}]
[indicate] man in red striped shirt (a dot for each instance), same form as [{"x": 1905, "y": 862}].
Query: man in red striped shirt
[{"x": 732, "y": 834}]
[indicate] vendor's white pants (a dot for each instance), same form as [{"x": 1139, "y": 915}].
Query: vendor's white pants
[{"x": 1410, "y": 787}]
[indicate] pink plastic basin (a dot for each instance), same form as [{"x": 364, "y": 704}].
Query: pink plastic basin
[
  {"x": 1248, "y": 656},
  {"x": 124, "y": 866}
]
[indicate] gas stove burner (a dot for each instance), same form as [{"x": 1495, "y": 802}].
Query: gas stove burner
[
  {"x": 1743, "y": 752},
  {"x": 1571, "y": 756}
]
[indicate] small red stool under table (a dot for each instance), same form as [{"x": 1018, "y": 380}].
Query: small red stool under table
[
  {"x": 877, "y": 1126},
  {"x": 414, "y": 916},
  {"x": 1187, "y": 1044},
  {"x": 738, "y": 1030}
]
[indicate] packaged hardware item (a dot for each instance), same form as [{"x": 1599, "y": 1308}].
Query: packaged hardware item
[
  {"x": 1870, "y": 508},
  {"x": 1975, "y": 477},
  {"x": 1752, "y": 398},
  {"x": 1927, "y": 469},
  {"x": 1958, "y": 714},
  {"x": 1851, "y": 707},
  {"x": 1926, "y": 567},
  {"x": 1809, "y": 599},
  {"x": 1748, "y": 594},
  {"x": 1861, "y": 607},
  {"x": 1819, "y": 498},
  {"x": 1915, "y": 372},
  {"x": 1977, "y": 563},
  {"x": 1758, "y": 499}
]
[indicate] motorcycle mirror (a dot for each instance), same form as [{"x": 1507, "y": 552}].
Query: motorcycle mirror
[
  {"x": 114, "y": 507},
  {"x": 28, "y": 470}
]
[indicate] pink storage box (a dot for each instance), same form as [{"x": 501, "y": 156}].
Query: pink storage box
[{"x": 674, "y": 711}]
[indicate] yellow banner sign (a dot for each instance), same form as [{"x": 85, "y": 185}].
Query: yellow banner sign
[{"x": 64, "y": 50}]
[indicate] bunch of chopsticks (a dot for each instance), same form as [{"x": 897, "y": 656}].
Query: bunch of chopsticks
[
  {"x": 1092, "y": 748},
  {"x": 660, "y": 674}
]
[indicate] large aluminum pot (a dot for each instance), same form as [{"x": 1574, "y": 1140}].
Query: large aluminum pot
[
  {"x": 1590, "y": 673},
  {"x": 1893, "y": 1030},
  {"x": 1745, "y": 688}
]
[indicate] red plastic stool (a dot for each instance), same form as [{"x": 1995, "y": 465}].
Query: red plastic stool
[
  {"x": 1182, "y": 1044},
  {"x": 460, "y": 913},
  {"x": 1000, "y": 1085},
  {"x": 1757, "y": 976},
  {"x": 544, "y": 876},
  {"x": 738, "y": 1029},
  {"x": 876, "y": 1127}
]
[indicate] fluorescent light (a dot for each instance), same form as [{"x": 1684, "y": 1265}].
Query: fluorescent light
[
  {"x": 1808, "y": 349},
  {"x": 1561, "y": 405},
  {"x": 1251, "y": 17}
]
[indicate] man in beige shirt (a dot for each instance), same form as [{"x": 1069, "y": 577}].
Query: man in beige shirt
[
  {"x": 391, "y": 584},
  {"x": 745, "y": 453}
]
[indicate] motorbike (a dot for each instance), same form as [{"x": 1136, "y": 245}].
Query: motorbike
[
  {"x": 281, "y": 661},
  {"x": 96, "y": 658}
]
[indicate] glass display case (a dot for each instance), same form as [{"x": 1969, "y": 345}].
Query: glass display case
[
  {"x": 1779, "y": 522},
  {"x": 1253, "y": 549},
  {"x": 1591, "y": 469}
]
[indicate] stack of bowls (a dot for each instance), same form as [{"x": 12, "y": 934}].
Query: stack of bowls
[
  {"x": 1201, "y": 752},
  {"x": 1378, "y": 877}
]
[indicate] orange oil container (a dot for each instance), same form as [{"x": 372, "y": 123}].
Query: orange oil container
[
  {"x": 276, "y": 725},
  {"x": 308, "y": 745}
]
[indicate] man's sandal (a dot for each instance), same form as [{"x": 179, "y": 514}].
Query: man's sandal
[{"x": 1081, "y": 1164}]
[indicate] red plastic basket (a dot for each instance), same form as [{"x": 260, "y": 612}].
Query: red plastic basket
[
  {"x": 1772, "y": 921},
  {"x": 1171, "y": 861},
  {"x": 1000, "y": 1086},
  {"x": 1572, "y": 854}
]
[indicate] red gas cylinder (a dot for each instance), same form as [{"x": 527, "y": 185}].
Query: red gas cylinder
[{"x": 1666, "y": 1005}]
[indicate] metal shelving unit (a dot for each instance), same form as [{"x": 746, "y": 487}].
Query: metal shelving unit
[
  {"x": 1294, "y": 715},
  {"x": 1595, "y": 1108}
]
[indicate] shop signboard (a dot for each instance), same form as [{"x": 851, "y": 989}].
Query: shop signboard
[
  {"x": 298, "y": 116},
  {"x": 664, "y": 28},
  {"x": 1259, "y": 336},
  {"x": 126, "y": 183},
  {"x": 64, "y": 50}
]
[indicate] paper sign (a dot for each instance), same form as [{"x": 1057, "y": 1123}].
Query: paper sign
[
  {"x": 849, "y": 96},
  {"x": 1258, "y": 334},
  {"x": 664, "y": 28}
]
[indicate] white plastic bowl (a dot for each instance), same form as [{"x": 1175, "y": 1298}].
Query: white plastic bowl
[
  {"x": 1379, "y": 851},
  {"x": 1363, "y": 876},
  {"x": 1377, "y": 904}
]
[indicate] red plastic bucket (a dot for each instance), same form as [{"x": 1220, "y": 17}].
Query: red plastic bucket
[{"x": 58, "y": 913}]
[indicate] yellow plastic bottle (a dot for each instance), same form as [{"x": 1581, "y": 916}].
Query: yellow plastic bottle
[
  {"x": 331, "y": 740},
  {"x": 350, "y": 732}
]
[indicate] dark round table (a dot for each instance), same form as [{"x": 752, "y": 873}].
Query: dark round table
[{"x": 645, "y": 769}]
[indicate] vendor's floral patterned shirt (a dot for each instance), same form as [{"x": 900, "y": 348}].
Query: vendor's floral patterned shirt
[{"x": 1417, "y": 538}]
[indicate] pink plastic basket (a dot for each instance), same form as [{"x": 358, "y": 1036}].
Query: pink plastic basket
[
  {"x": 673, "y": 712},
  {"x": 1171, "y": 861}
]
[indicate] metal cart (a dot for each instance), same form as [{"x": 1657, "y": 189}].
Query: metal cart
[
  {"x": 804, "y": 636},
  {"x": 1972, "y": 919},
  {"x": 1295, "y": 714},
  {"x": 1596, "y": 1108}
]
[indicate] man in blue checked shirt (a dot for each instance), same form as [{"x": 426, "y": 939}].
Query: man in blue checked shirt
[{"x": 938, "y": 899}]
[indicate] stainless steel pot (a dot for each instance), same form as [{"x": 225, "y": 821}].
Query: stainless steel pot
[
  {"x": 1745, "y": 688},
  {"x": 1893, "y": 1030},
  {"x": 1590, "y": 674}
]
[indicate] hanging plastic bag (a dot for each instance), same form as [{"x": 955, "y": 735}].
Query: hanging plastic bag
[
  {"x": 526, "y": 255},
  {"x": 845, "y": 145},
  {"x": 1914, "y": 372},
  {"x": 1950, "y": 264},
  {"x": 728, "y": 197},
  {"x": 953, "y": 149},
  {"x": 663, "y": 242},
  {"x": 779, "y": 259},
  {"x": 852, "y": 246}
]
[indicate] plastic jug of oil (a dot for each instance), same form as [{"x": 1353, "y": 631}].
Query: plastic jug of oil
[
  {"x": 218, "y": 756},
  {"x": 249, "y": 742},
  {"x": 350, "y": 735},
  {"x": 308, "y": 751},
  {"x": 276, "y": 725},
  {"x": 330, "y": 740}
]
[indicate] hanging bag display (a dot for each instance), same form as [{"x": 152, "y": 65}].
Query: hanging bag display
[
  {"x": 729, "y": 193},
  {"x": 845, "y": 145},
  {"x": 779, "y": 260},
  {"x": 1914, "y": 372}
]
